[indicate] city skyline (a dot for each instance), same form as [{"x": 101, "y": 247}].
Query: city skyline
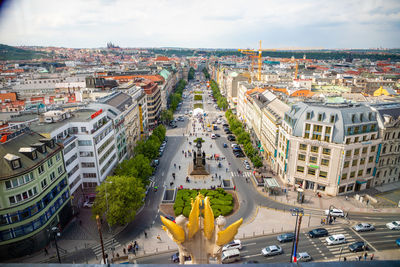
[{"x": 202, "y": 24}]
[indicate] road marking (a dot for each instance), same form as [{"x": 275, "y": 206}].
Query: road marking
[
  {"x": 158, "y": 211},
  {"x": 363, "y": 239},
  {"x": 153, "y": 222},
  {"x": 162, "y": 174},
  {"x": 250, "y": 244}
]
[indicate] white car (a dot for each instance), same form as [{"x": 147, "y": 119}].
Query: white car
[
  {"x": 88, "y": 204},
  {"x": 363, "y": 227},
  {"x": 213, "y": 136},
  {"x": 393, "y": 225},
  {"x": 233, "y": 244},
  {"x": 335, "y": 239},
  {"x": 234, "y": 145},
  {"x": 335, "y": 213}
]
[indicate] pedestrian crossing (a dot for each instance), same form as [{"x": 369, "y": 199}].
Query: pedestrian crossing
[
  {"x": 109, "y": 245},
  {"x": 243, "y": 174},
  {"x": 340, "y": 250}
]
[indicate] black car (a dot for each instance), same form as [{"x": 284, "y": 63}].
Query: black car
[
  {"x": 358, "y": 246},
  {"x": 217, "y": 135},
  {"x": 228, "y": 132},
  {"x": 318, "y": 232},
  {"x": 239, "y": 154},
  {"x": 175, "y": 258},
  {"x": 231, "y": 138},
  {"x": 225, "y": 125},
  {"x": 226, "y": 129}
]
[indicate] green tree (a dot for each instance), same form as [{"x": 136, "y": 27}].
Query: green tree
[
  {"x": 160, "y": 132},
  {"x": 249, "y": 149},
  {"x": 138, "y": 166},
  {"x": 124, "y": 197},
  {"x": 167, "y": 115},
  {"x": 257, "y": 162},
  {"x": 244, "y": 138},
  {"x": 191, "y": 74}
]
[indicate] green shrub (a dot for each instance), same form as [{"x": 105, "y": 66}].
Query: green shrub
[
  {"x": 186, "y": 211},
  {"x": 178, "y": 210},
  {"x": 198, "y": 97},
  {"x": 226, "y": 210}
]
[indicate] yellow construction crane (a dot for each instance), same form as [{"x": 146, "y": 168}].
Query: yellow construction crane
[
  {"x": 258, "y": 54},
  {"x": 251, "y": 53}
]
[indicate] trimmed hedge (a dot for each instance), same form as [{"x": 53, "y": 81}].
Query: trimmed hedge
[
  {"x": 199, "y": 105},
  {"x": 221, "y": 202},
  {"x": 198, "y": 97},
  {"x": 198, "y": 92}
]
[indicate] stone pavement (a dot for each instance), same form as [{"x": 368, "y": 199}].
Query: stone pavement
[
  {"x": 183, "y": 163},
  {"x": 312, "y": 201}
]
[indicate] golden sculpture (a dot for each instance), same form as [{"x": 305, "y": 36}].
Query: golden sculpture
[{"x": 191, "y": 242}]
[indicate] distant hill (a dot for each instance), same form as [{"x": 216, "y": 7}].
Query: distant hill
[{"x": 12, "y": 53}]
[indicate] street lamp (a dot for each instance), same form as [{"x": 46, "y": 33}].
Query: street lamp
[
  {"x": 296, "y": 212},
  {"x": 56, "y": 232}
]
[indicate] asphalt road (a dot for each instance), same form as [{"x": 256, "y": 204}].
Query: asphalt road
[{"x": 316, "y": 247}]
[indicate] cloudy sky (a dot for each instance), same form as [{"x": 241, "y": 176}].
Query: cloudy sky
[{"x": 202, "y": 23}]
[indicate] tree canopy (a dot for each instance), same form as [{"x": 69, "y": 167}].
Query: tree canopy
[{"x": 124, "y": 197}]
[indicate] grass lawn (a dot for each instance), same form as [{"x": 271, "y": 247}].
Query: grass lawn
[
  {"x": 197, "y": 106},
  {"x": 198, "y": 97}
]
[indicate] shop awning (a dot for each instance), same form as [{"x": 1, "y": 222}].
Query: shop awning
[{"x": 271, "y": 183}]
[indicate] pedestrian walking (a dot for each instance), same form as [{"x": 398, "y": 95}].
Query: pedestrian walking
[
  {"x": 117, "y": 255},
  {"x": 145, "y": 234},
  {"x": 344, "y": 259},
  {"x": 179, "y": 167},
  {"x": 137, "y": 247},
  {"x": 372, "y": 256},
  {"x": 359, "y": 258},
  {"x": 46, "y": 252},
  {"x": 175, "y": 165},
  {"x": 159, "y": 238},
  {"x": 226, "y": 170},
  {"x": 124, "y": 250},
  {"x": 365, "y": 256}
]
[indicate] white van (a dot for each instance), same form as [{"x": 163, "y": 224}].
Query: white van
[
  {"x": 335, "y": 239},
  {"x": 230, "y": 255}
]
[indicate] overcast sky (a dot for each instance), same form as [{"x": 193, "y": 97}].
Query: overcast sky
[{"x": 202, "y": 23}]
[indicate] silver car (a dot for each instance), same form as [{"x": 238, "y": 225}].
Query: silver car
[
  {"x": 271, "y": 250},
  {"x": 362, "y": 227}
]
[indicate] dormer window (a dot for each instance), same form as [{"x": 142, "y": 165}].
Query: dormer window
[
  {"x": 13, "y": 160},
  {"x": 16, "y": 164},
  {"x": 332, "y": 120},
  {"x": 40, "y": 147},
  {"x": 353, "y": 118},
  {"x": 370, "y": 116},
  {"x": 320, "y": 117},
  {"x": 34, "y": 155},
  {"x": 308, "y": 115},
  {"x": 361, "y": 117}
]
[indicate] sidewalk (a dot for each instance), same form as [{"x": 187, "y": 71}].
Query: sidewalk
[{"x": 312, "y": 201}]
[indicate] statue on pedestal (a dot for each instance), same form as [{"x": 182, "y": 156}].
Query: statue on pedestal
[{"x": 199, "y": 237}]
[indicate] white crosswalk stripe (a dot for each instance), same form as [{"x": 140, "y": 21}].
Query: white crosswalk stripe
[
  {"x": 108, "y": 245},
  {"x": 244, "y": 174}
]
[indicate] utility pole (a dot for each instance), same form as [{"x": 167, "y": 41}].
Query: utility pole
[
  {"x": 295, "y": 212},
  {"x": 297, "y": 238},
  {"x": 55, "y": 231},
  {"x": 101, "y": 238}
]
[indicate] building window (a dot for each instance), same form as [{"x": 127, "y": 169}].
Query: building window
[
  {"x": 348, "y": 153},
  {"x": 44, "y": 183},
  {"x": 332, "y": 120},
  {"x": 308, "y": 116},
  {"x": 350, "y": 187},
  {"x": 301, "y": 157},
  {"x": 352, "y": 174},
  {"x": 341, "y": 189},
  {"x": 355, "y": 162},
  {"x": 50, "y": 162},
  {"x": 362, "y": 161},
  {"x": 326, "y": 151},
  {"x": 308, "y": 127},
  {"x": 314, "y": 149},
  {"x": 87, "y": 165},
  {"x": 16, "y": 164},
  {"x": 313, "y": 159},
  {"x": 52, "y": 176},
  {"x": 41, "y": 169},
  {"x": 346, "y": 164},
  {"x": 86, "y": 154},
  {"x": 60, "y": 169},
  {"x": 353, "y": 118},
  {"x": 323, "y": 174},
  {"x": 360, "y": 173},
  {"x": 344, "y": 176},
  {"x": 307, "y": 135},
  {"x": 300, "y": 169},
  {"x": 369, "y": 171},
  {"x": 356, "y": 139},
  {"x": 356, "y": 152},
  {"x": 89, "y": 175},
  {"x": 319, "y": 117},
  {"x": 370, "y": 159},
  {"x": 311, "y": 171},
  {"x": 325, "y": 162},
  {"x": 303, "y": 147},
  {"x": 373, "y": 127},
  {"x": 84, "y": 142},
  {"x": 348, "y": 141},
  {"x": 356, "y": 129},
  {"x": 320, "y": 187},
  {"x": 58, "y": 157},
  {"x": 365, "y": 150},
  {"x": 373, "y": 148}
]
